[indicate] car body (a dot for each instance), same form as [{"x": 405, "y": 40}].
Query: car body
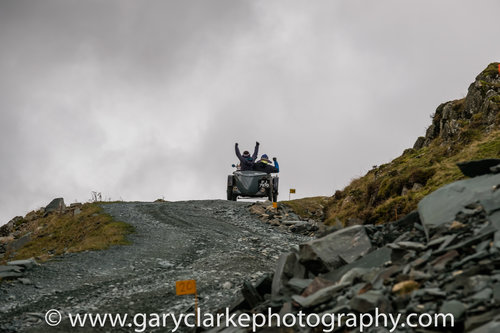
[{"x": 252, "y": 184}]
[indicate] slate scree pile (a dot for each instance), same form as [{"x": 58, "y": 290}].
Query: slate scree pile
[{"x": 442, "y": 258}]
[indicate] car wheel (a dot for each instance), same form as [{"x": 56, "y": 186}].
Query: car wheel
[{"x": 230, "y": 195}]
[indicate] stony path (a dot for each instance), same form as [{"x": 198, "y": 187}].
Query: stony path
[{"x": 217, "y": 243}]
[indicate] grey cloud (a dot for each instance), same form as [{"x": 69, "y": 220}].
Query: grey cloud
[{"x": 145, "y": 99}]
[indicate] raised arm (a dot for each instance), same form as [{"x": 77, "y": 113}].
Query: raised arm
[
  {"x": 256, "y": 151},
  {"x": 276, "y": 165},
  {"x": 237, "y": 151}
]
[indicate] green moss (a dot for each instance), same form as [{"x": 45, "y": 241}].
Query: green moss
[
  {"x": 495, "y": 99},
  {"x": 491, "y": 70},
  {"x": 306, "y": 207}
]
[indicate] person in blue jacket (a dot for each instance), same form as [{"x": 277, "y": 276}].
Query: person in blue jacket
[
  {"x": 246, "y": 161},
  {"x": 265, "y": 165}
]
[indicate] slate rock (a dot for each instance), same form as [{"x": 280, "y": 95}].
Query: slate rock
[
  {"x": 11, "y": 268},
  {"x": 407, "y": 245},
  {"x": 335, "y": 250},
  {"x": 287, "y": 267},
  {"x": 482, "y": 246},
  {"x": 355, "y": 274},
  {"x": 300, "y": 227},
  {"x": 257, "y": 209},
  {"x": 474, "y": 321},
  {"x": 491, "y": 327},
  {"x": 472, "y": 257},
  {"x": 9, "y": 275},
  {"x": 456, "y": 308},
  {"x": 252, "y": 297},
  {"x": 440, "y": 263},
  {"x": 469, "y": 241},
  {"x": 319, "y": 297},
  {"x": 496, "y": 293},
  {"x": 429, "y": 293},
  {"x": 290, "y": 223},
  {"x": 373, "y": 259},
  {"x": 495, "y": 220},
  {"x": 370, "y": 300},
  {"x": 26, "y": 263},
  {"x": 449, "y": 241},
  {"x": 298, "y": 285},
  {"x": 419, "y": 275},
  {"x": 19, "y": 243},
  {"x": 483, "y": 295},
  {"x": 438, "y": 241},
  {"x": 315, "y": 285},
  {"x": 476, "y": 283},
  {"x": 491, "y": 204},
  {"x": 441, "y": 206}
]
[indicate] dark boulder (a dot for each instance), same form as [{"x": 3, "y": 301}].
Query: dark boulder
[
  {"x": 56, "y": 205},
  {"x": 478, "y": 167},
  {"x": 335, "y": 250}
]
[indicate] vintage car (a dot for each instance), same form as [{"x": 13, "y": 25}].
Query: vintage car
[{"x": 252, "y": 184}]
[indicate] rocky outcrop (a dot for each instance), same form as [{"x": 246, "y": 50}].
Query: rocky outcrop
[
  {"x": 426, "y": 262},
  {"x": 57, "y": 205},
  {"x": 18, "y": 231},
  {"x": 480, "y": 106}
]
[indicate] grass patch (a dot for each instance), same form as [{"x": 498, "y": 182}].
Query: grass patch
[
  {"x": 91, "y": 229},
  {"x": 307, "y": 208}
]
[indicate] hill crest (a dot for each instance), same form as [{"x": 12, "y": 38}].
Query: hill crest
[{"x": 463, "y": 129}]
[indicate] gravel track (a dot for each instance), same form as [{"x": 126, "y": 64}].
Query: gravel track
[{"x": 218, "y": 243}]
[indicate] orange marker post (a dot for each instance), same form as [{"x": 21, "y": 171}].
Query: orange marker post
[
  {"x": 188, "y": 287},
  {"x": 498, "y": 68}
]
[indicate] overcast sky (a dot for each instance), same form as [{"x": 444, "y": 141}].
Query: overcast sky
[{"x": 141, "y": 100}]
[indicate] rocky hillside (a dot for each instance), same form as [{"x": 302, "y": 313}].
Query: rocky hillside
[
  {"x": 440, "y": 263},
  {"x": 464, "y": 129}
]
